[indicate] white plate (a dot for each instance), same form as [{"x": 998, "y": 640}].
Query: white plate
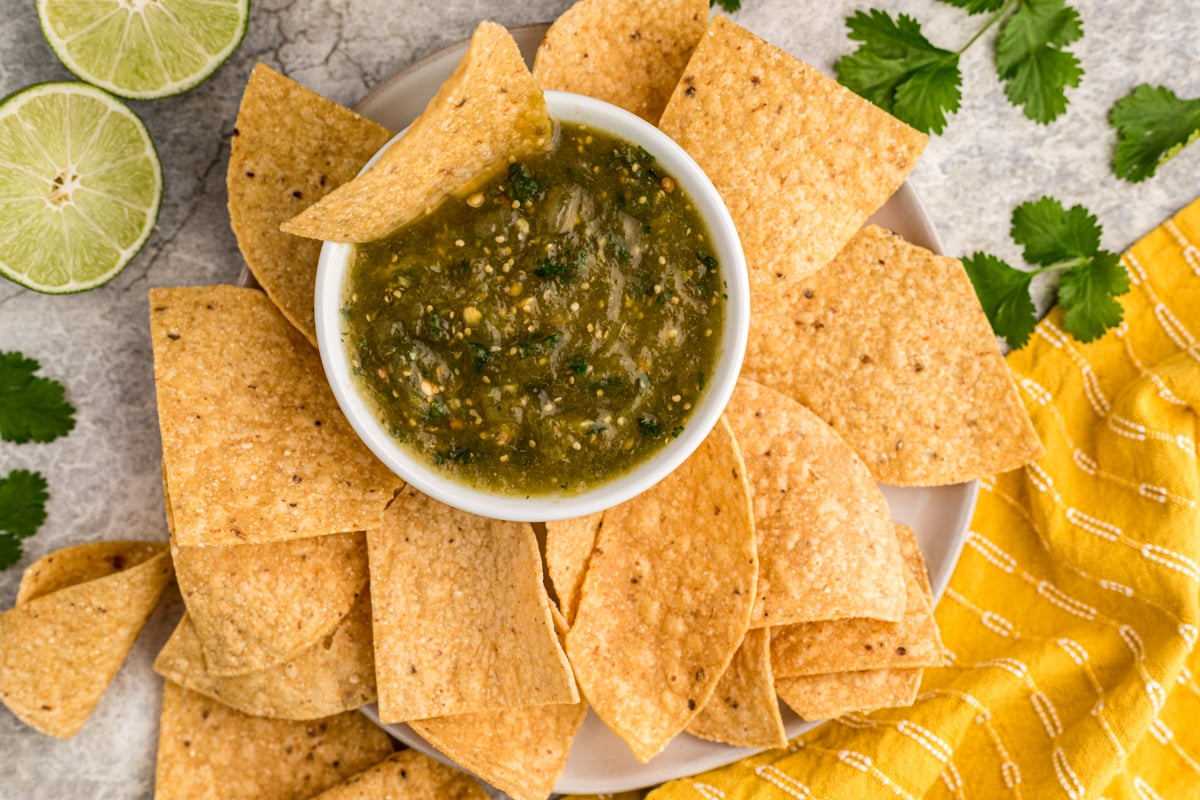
[{"x": 599, "y": 761}]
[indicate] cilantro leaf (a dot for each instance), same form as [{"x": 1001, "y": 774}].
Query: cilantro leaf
[
  {"x": 729, "y": 5},
  {"x": 1153, "y": 125},
  {"x": 1087, "y": 295},
  {"x": 1004, "y": 294},
  {"x": 976, "y": 6},
  {"x": 1031, "y": 59},
  {"x": 901, "y": 71},
  {"x": 31, "y": 408},
  {"x": 1050, "y": 234},
  {"x": 22, "y": 511}
]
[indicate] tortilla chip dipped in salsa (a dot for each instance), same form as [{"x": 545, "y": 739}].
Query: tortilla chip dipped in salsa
[
  {"x": 208, "y": 750},
  {"x": 658, "y": 622},
  {"x": 627, "y": 52},
  {"x": 521, "y": 751},
  {"x": 462, "y": 620},
  {"x": 255, "y": 448},
  {"x": 290, "y": 148},
  {"x": 889, "y": 345},
  {"x": 800, "y": 161},
  {"x": 260, "y": 605},
  {"x": 78, "y": 613},
  {"x": 488, "y": 113},
  {"x": 826, "y": 546}
]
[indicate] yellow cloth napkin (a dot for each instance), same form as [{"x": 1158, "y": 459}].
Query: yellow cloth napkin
[{"x": 1071, "y": 619}]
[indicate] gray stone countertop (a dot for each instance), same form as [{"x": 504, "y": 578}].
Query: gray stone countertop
[{"x": 104, "y": 477}]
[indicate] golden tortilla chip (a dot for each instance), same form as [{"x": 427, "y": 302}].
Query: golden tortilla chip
[
  {"x": 569, "y": 544},
  {"x": 627, "y": 52},
  {"x": 815, "y": 697},
  {"x": 335, "y": 674},
  {"x": 488, "y": 113},
  {"x": 889, "y": 345},
  {"x": 826, "y": 547},
  {"x": 667, "y": 597},
  {"x": 845, "y": 645},
  {"x": 521, "y": 751},
  {"x": 62, "y": 645},
  {"x": 255, "y": 448},
  {"x": 207, "y": 750},
  {"x": 290, "y": 148},
  {"x": 462, "y": 621},
  {"x": 407, "y": 775},
  {"x": 743, "y": 710},
  {"x": 257, "y": 606},
  {"x": 800, "y": 161}
]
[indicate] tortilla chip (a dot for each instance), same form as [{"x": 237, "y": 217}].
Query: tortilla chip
[
  {"x": 488, "y": 113},
  {"x": 407, "y": 775},
  {"x": 257, "y": 606},
  {"x": 462, "y": 621},
  {"x": 80, "y": 564},
  {"x": 657, "y": 625},
  {"x": 521, "y": 751},
  {"x": 826, "y": 547},
  {"x": 815, "y": 697},
  {"x": 889, "y": 345},
  {"x": 743, "y": 710},
  {"x": 290, "y": 148},
  {"x": 207, "y": 750},
  {"x": 255, "y": 448},
  {"x": 764, "y": 125},
  {"x": 814, "y": 648},
  {"x": 335, "y": 674},
  {"x": 569, "y": 544},
  {"x": 62, "y": 645},
  {"x": 627, "y": 52}
]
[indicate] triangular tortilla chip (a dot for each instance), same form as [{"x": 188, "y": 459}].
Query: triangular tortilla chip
[
  {"x": 889, "y": 345},
  {"x": 521, "y": 751},
  {"x": 743, "y": 710},
  {"x": 207, "y": 750},
  {"x": 61, "y": 647},
  {"x": 814, "y": 648},
  {"x": 800, "y": 160},
  {"x": 826, "y": 547},
  {"x": 335, "y": 674},
  {"x": 407, "y": 775},
  {"x": 256, "y": 606},
  {"x": 667, "y": 597},
  {"x": 255, "y": 448},
  {"x": 489, "y": 112},
  {"x": 815, "y": 697},
  {"x": 290, "y": 148},
  {"x": 462, "y": 621},
  {"x": 569, "y": 544},
  {"x": 627, "y": 52}
]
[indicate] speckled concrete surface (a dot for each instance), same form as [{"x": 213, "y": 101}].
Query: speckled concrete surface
[{"x": 104, "y": 476}]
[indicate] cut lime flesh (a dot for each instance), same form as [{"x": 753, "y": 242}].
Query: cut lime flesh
[
  {"x": 80, "y": 187},
  {"x": 144, "y": 49}
]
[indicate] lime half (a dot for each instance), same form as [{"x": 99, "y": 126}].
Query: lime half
[
  {"x": 144, "y": 49},
  {"x": 80, "y": 186}
]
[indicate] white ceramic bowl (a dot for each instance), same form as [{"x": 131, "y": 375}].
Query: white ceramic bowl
[{"x": 567, "y": 108}]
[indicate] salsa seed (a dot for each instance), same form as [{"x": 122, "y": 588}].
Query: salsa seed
[
  {"x": 667, "y": 183},
  {"x": 459, "y": 243},
  {"x": 475, "y": 200}
]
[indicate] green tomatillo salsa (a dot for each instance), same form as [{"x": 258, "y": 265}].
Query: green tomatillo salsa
[{"x": 548, "y": 332}]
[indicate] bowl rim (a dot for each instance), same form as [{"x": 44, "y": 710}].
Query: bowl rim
[{"x": 567, "y": 108}]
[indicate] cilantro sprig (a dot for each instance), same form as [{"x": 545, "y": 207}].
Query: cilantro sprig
[
  {"x": 32, "y": 408},
  {"x": 1056, "y": 240},
  {"x": 22, "y": 511},
  {"x": 899, "y": 69},
  {"x": 1153, "y": 124}
]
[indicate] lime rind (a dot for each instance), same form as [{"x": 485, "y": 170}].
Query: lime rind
[
  {"x": 80, "y": 187},
  {"x": 144, "y": 49}
]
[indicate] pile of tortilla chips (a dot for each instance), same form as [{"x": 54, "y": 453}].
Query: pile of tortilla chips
[{"x": 766, "y": 567}]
